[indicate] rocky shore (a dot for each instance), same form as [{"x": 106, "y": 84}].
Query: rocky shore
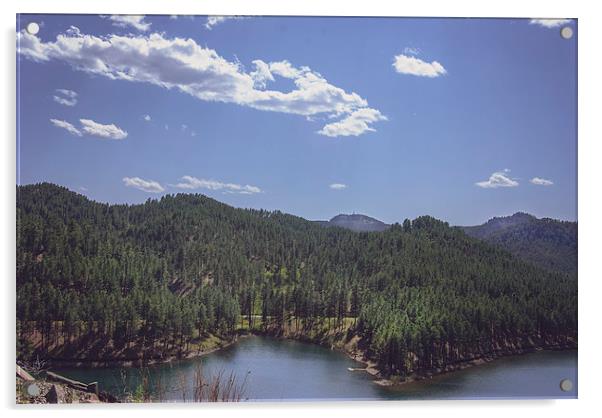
[
  {"x": 46, "y": 392},
  {"x": 56, "y": 389}
]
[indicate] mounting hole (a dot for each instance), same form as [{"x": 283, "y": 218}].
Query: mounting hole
[
  {"x": 33, "y": 390},
  {"x": 32, "y": 28},
  {"x": 566, "y": 32},
  {"x": 566, "y": 385}
]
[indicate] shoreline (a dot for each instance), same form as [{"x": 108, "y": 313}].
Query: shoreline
[
  {"x": 139, "y": 362},
  {"x": 427, "y": 374},
  {"x": 351, "y": 350},
  {"x": 369, "y": 366}
]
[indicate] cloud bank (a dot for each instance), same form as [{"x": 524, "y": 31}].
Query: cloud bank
[
  {"x": 338, "y": 186},
  {"x": 192, "y": 183},
  {"x": 183, "y": 65}
]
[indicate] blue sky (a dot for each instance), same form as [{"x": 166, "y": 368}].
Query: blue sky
[{"x": 461, "y": 119}]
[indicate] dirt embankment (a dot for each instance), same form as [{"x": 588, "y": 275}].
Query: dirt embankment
[
  {"x": 502, "y": 349},
  {"x": 103, "y": 352}
]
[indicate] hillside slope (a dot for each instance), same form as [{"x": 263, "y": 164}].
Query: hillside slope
[
  {"x": 169, "y": 272},
  {"x": 545, "y": 242}
]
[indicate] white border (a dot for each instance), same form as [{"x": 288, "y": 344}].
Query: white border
[{"x": 589, "y": 214}]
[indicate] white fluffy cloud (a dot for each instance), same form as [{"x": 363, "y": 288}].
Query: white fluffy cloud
[
  {"x": 146, "y": 118},
  {"x": 135, "y": 21},
  {"x": 262, "y": 74},
  {"x": 67, "y": 126},
  {"x": 192, "y": 183},
  {"x": 355, "y": 124},
  {"x": 65, "y": 97},
  {"x": 216, "y": 20},
  {"x": 541, "y": 182},
  {"x": 405, "y": 64},
  {"x": 338, "y": 186},
  {"x": 498, "y": 179},
  {"x": 104, "y": 131},
  {"x": 184, "y": 65},
  {"x": 149, "y": 186},
  {"x": 92, "y": 128},
  {"x": 550, "y": 23}
]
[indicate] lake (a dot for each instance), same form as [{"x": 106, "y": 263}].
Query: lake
[{"x": 280, "y": 370}]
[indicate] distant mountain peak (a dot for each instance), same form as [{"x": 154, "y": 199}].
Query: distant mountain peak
[
  {"x": 512, "y": 220},
  {"x": 522, "y": 215},
  {"x": 357, "y": 222},
  {"x": 354, "y": 216},
  {"x": 516, "y": 215}
]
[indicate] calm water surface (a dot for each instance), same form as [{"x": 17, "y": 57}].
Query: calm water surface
[{"x": 289, "y": 370}]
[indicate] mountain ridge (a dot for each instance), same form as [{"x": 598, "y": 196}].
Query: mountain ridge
[
  {"x": 546, "y": 242},
  {"x": 169, "y": 273}
]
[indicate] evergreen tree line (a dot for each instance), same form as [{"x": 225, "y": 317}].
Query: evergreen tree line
[{"x": 422, "y": 294}]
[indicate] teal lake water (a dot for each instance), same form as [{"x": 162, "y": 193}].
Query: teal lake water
[{"x": 280, "y": 370}]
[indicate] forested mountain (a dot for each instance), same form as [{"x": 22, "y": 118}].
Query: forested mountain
[
  {"x": 356, "y": 222},
  {"x": 549, "y": 243},
  {"x": 423, "y": 294}
]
